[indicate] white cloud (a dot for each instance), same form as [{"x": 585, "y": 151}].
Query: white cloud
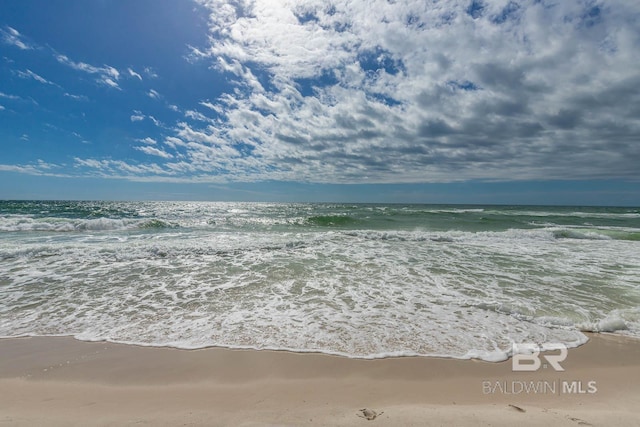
[
  {"x": 76, "y": 97},
  {"x": 40, "y": 168},
  {"x": 196, "y": 115},
  {"x": 138, "y": 116},
  {"x": 209, "y": 105},
  {"x": 123, "y": 170},
  {"x": 148, "y": 140},
  {"x": 80, "y": 66},
  {"x": 107, "y": 75},
  {"x": 109, "y": 82},
  {"x": 413, "y": 91},
  {"x": 173, "y": 142},
  {"x": 409, "y": 91},
  {"x": 8, "y": 96},
  {"x": 150, "y": 72},
  {"x": 91, "y": 163},
  {"x": 18, "y": 168},
  {"x": 2, "y": 107},
  {"x": 134, "y": 74},
  {"x": 153, "y": 94},
  {"x": 115, "y": 74},
  {"x": 12, "y": 37},
  {"x": 155, "y": 121},
  {"x": 28, "y": 74},
  {"x": 42, "y": 165},
  {"x": 153, "y": 151}
]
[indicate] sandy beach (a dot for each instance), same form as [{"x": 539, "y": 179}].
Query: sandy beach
[{"x": 60, "y": 381}]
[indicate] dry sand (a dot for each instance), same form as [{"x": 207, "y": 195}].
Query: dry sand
[{"x": 64, "y": 382}]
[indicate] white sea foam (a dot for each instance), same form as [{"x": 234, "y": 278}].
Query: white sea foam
[
  {"x": 354, "y": 292},
  {"x": 26, "y": 224}
]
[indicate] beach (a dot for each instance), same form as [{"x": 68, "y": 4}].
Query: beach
[
  {"x": 297, "y": 213},
  {"x": 60, "y": 381},
  {"x": 195, "y": 313}
]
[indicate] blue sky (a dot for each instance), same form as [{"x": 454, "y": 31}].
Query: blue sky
[{"x": 528, "y": 101}]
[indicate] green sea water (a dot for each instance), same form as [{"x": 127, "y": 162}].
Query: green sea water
[{"x": 360, "y": 280}]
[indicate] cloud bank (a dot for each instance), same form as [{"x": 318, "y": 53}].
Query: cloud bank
[
  {"x": 413, "y": 91},
  {"x": 400, "y": 91}
]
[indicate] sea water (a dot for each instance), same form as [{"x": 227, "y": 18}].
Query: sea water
[{"x": 363, "y": 281}]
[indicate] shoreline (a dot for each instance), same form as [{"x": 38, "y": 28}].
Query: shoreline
[{"x": 63, "y": 381}]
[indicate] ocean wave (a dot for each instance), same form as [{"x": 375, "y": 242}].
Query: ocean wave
[
  {"x": 27, "y": 224},
  {"x": 332, "y": 220},
  {"x": 564, "y": 214},
  {"x": 582, "y": 235},
  {"x": 596, "y": 234},
  {"x": 626, "y": 321},
  {"x": 454, "y": 211},
  {"x": 402, "y": 236},
  {"x": 604, "y": 325},
  {"x": 156, "y": 224}
]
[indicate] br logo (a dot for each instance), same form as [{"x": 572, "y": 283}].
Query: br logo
[{"x": 526, "y": 356}]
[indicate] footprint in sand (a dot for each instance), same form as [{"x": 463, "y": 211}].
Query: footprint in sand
[{"x": 368, "y": 414}]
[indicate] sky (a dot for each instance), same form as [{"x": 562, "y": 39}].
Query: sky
[{"x": 449, "y": 101}]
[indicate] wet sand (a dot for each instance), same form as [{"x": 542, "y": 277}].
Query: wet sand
[{"x": 59, "y": 381}]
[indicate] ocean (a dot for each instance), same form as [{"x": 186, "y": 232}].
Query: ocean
[{"x": 358, "y": 280}]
